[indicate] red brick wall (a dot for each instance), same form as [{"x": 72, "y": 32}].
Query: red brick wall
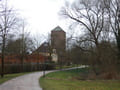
[{"x": 33, "y": 58}]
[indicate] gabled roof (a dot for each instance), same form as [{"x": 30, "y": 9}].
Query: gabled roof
[
  {"x": 43, "y": 48},
  {"x": 58, "y": 28}
]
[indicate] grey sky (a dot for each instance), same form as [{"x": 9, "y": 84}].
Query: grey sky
[{"x": 41, "y": 15}]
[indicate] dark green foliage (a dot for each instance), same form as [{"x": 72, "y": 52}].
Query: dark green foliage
[{"x": 16, "y": 68}]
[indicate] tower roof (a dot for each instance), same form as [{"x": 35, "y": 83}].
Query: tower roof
[{"x": 58, "y": 28}]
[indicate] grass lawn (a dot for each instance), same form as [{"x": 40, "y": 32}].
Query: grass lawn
[
  {"x": 10, "y": 76},
  {"x": 64, "y": 67},
  {"x": 68, "y": 80}
]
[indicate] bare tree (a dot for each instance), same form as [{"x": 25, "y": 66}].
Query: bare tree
[
  {"x": 38, "y": 40},
  {"x": 8, "y": 22},
  {"x": 26, "y": 42},
  {"x": 91, "y": 15},
  {"x": 113, "y": 10}
]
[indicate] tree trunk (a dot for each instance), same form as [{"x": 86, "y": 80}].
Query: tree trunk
[
  {"x": 118, "y": 46},
  {"x": 3, "y": 56}
]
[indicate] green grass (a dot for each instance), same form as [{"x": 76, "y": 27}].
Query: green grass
[
  {"x": 10, "y": 76},
  {"x": 64, "y": 67},
  {"x": 66, "y": 80},
  {"x": 68, "y": 74}
]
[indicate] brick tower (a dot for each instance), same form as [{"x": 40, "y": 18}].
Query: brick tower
[{"x": 58, "y": 41}]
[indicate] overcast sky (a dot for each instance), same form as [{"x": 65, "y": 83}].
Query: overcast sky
[{"x": 41, "y": 15}]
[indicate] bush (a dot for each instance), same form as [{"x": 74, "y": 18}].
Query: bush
[{"x": 17, "y": 68}]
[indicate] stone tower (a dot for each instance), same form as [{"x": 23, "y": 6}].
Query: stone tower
[{"x": 58, "y": 41}]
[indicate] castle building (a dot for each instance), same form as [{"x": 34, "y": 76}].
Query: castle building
[
  {"x": 56, "y": 49},
  {"x": 58, "y": 41}
]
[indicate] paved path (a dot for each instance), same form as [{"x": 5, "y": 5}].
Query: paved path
[{"x": 25, "y": 82}]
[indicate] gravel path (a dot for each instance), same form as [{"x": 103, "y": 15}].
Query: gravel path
[{"x": 25, "y": 82}]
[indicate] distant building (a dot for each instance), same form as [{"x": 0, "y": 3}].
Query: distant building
[
  {"x": 58, "y": 41},
  {"x": 44, "y": 49},
  {"x": 56, "y": 49}
]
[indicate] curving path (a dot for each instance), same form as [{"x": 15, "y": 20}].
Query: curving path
[{"x": 25, "y": 82}]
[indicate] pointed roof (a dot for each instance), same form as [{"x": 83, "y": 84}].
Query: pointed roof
[
  {"x": 58, "y": 28},
  {"x": 44, "y": 47}
]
